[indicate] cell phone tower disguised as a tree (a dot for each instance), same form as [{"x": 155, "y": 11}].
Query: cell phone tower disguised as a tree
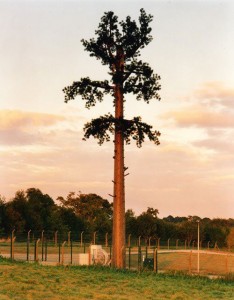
[{"x": 117, "y": 45}]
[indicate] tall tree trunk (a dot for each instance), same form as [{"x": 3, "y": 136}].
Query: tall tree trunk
[
  {"x": 118, "y": 256},
  {"x": 118, "y": 238}
]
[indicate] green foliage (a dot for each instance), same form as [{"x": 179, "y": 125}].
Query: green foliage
[
  {"x": 135, "y": 129},
  {"x": 40, "y": 208},
  {"x": 131, "y": 223},
  {"x": 216, "y": 233},
  {"x": 118, "y": 45},
  {"x": 95, "y": 211},
  {"x": 91, "y": 91},
  {"x": 188, "y": 231},
  {"x": 111, "y": 34},
  {"x": 152, "y": 211},
  {"x": 142, "y": 82},
  {"x": 16, "y": 212},
  {"x": 31, "y": 209},
  {"x": 147, "y": 227}
]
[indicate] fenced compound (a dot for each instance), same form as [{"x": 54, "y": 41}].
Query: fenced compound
[{"x": 164, "y": 256}]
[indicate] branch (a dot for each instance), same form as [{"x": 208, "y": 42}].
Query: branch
[
  {"x": 134, "y": 37},
  {"x": 105, "y": 44},
  {"x": 138, "y": 130},
  {"x": 102, "y": 127},
  {"x": 91, "y": 91},
  {"x": 99, "y": 128},
  {"x": 144, "y": 84}
]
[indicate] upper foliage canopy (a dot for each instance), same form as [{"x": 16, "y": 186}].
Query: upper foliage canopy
[{"x": 117, "y": 45}]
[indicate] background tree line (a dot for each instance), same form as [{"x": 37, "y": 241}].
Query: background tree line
[{"x": 35, "y": 211}]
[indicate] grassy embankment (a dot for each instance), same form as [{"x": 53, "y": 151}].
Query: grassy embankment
[{"x": 32, "y": 281}]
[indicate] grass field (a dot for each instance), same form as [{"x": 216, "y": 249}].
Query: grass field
[{"x": 33, "y": 281}]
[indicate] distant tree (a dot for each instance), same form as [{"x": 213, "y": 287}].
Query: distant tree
[
  {"x": 3, "y": 218},
  {"x": 214, "y": 232},
  {"x": 40, "y": 208},
  {"x": 187, "y": 230},
  {"x": 65, "y": 219},
  {"x": 175, "y": 219},
  {"x": 170, "y": 230},
  {"x": 170, "y": 219},
  {"x": 16, "y": 211},
  {"x": 230, "y": 239},
  {"x": 152, "y": 211},
  {"x": 95, "y": 211},
  {"x": 131, "y": 223},
  {"x": 147, "y": 226},
  {"x": 118, "y": 46}
]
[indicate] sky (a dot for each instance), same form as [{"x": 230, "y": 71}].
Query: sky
[{"x": 190, "y": 173}]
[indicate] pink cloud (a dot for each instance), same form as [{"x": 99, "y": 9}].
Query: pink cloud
[
  {"x": 201, "y": 117},
  {"x": 16, "y": 119},
  {"x": 211, "y": 106},
  {"x": 216, "y": 92},
  {"x": 20, "y": 127}
]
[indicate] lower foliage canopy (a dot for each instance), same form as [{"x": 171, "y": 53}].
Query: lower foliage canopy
[{"x": 100, "y": 128}]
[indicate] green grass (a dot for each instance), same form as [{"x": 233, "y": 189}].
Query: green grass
[{"x": 33, "y": 281}]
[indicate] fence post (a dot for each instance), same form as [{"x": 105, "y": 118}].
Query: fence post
[
  {"x": 158, "y": 244},
  {"x": 190, "y": 262},
  {"x": 42, "y": 245},
  {"x": 168, "y": 244},
  {"x": 129, "y": 240},
  {"x": 69, "y": 238},
  {"x": 36, "y": 250},
  {"x": 208, "y": 245},
  {"x": 227, "y": 264},
  {"x": 56, "y": 238},
  {"x": 149, "y": 241},
  {"x": 12, "y": 244},
  {"x": 71, "y": 251},
  {"x": 106, "y": 239},
  {"x": 45, "y": 249},
  {"x": 139, "y": 241},
  {"x": 94, "y": 237},
  {"x": 81, "y": 238},
  {"x": 59, "y": 252},
  {"x": 155, "y": 260},
  {"x": 177, "y": 242},
  {"x": 63, "y": 244},
  {"x": 28, "y": 244},
  {"x": 129, "y": 258},
  {"x": 110, "y": 254},
  {"x": 139, "y": 258},
  {"x": 193, "y": 244}
]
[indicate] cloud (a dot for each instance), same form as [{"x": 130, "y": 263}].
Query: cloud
[
  {"x": 23, "y": 128},
  {"x": 178, "y": 177},
  {"x": 16, "y": 119},
  {"x": 201, "y": 117},
  {"x": 209, "y": 106},
  {"x": 216, "y": 93},
  {"x": 219, "y": 143}
]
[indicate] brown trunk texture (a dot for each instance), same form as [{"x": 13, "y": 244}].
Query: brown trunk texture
[{"x": 118, "y": 237}]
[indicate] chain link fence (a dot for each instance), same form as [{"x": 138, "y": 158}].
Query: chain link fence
[{"x": 159, "y": 256}]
